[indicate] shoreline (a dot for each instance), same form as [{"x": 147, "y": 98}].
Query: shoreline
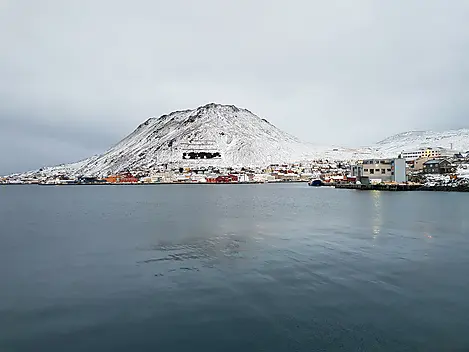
[
  {"x": 151, "y": 184},
  {"x": 377, "y": 187}
]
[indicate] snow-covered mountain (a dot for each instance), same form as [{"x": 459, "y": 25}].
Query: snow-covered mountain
[
  {"x": 225, "y": 135},
  {"x": 458, "y": 140},
  {"x": 217, "y": 135}
]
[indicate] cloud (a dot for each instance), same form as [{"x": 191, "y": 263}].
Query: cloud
[{"x": 324, "y": 71}]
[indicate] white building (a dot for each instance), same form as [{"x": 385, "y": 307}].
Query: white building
[
  {"x": 243, "y": 178},
  {"x": 400, "y": 175},
  {"x": 198, "y": 178},
  {"x": 263, "y": 178},
  {"x": 426, "y": 153},
  {"x": 380, "y": 170}
]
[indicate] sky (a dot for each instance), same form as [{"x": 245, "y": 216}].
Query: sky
[{"x": 78, "y": 76}]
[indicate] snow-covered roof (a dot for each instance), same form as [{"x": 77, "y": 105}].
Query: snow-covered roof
[{"x": 434, "y": 162}]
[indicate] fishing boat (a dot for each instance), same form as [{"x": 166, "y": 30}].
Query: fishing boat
[{"x": 316, "y": 183}]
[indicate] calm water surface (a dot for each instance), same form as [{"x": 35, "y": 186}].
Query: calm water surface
[{"x": 232, "y": 268}]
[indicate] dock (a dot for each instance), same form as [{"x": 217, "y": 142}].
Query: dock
[{"x": 382, "y": 187}]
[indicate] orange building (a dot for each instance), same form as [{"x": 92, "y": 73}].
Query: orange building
[{"x": 112, "y": 179}]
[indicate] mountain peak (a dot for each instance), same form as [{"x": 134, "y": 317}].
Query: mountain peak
[
  {"x": 216, "y": 105},
  {"x": 219, "y": 107},
  {"x": 212, "y": 134}
]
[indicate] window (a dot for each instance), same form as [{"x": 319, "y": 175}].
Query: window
[
  {"x": 377, "y": 170},
  {"x": 383, "y": 171},
  {"x": 389, "y": 170},
  {"x": 366, "y": 170},
  {"x": 372, "y": 171}
]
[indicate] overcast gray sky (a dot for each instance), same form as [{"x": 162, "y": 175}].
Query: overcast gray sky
[{"x": 77, "y": 76}]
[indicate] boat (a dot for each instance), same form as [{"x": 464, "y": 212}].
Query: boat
[{"x": 316, "y": 183}]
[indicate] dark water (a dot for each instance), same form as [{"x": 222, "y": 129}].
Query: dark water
[{"x": 232, "y": 268}]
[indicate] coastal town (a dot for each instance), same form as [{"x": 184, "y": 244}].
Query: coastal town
[
  {"x": 176, "y": 174},
  {"x": 426, "y": 167}
]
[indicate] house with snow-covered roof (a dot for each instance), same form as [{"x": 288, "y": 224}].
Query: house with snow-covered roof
[{"x": 438, "y": 166}]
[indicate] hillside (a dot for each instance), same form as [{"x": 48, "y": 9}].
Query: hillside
[
  {"x": 217, "y": 135},
  {"x": 391, "y": 146}
]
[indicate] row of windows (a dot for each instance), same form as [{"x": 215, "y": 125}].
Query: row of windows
[
  {"x": 372, "y": 162},
  {"x": 372, "y": 171},
  {"x": 421, "y": 153}
]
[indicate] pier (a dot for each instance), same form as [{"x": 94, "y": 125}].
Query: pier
[{"x": 382, "y": 187}]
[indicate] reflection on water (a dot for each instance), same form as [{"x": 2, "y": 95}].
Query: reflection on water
[
  {"x": 377, "y": 215},
  {"x": 205, "y": 252}
]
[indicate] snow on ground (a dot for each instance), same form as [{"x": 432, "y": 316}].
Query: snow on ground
[
  {"x": 437, "y": 180},
  {"x": 414, "y": 140},
  {"x": 463, "y": 171},
  {"x": 462, "y": 178}
]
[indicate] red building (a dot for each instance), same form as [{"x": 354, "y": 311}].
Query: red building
[
  {"x": 227, "y": 179},
  {"x": 128, "y": 178},
  {"x": 233, "y": 178}
]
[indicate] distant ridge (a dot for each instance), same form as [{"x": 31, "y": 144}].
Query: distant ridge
[{"x": 458, "y": 139}]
